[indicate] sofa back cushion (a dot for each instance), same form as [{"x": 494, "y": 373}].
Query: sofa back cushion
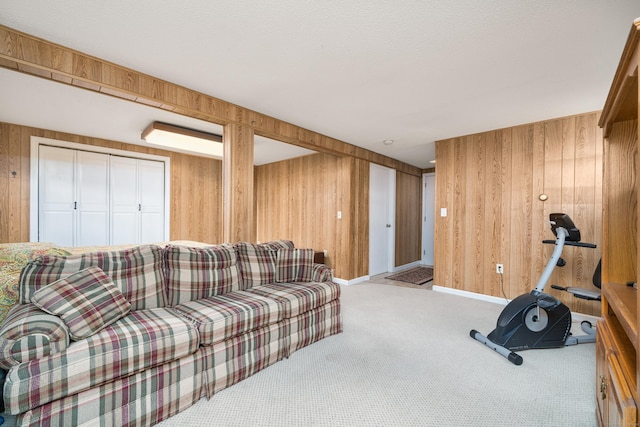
[
  {"x": 279, "y": 244},
  {"x": 294, "y": 265},
  {"x": 137, "y": 272},
  {"x": 257, "y": 262},
  {"x": 194, "y": 273}
]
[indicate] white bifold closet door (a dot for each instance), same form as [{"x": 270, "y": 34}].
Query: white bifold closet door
[
  {"x": 92, "y": 199},
  {"x": 137, "y": 200},
  {"x": 73, "y": 197}
]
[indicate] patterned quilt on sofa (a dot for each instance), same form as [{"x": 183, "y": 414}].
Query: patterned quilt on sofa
[{"x": 14, "y": 256}]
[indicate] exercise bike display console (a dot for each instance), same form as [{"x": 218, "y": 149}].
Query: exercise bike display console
[{"x": 537, "y": 319}]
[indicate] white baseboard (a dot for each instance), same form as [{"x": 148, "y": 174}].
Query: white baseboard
[
  {"x": 352, "y": 281},
  {"x": 474, "y": 295},
  {"x": 578, "y": 317}
]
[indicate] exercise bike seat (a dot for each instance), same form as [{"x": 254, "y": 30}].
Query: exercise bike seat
[{"x": 588, "y": 294}]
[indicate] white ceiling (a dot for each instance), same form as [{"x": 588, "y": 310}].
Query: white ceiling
[{"x": 361, "y": 71}]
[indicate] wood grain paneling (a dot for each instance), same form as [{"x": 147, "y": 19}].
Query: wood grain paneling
[
  {"x": 353, "y": 234},
  {"x": 408, "y": 240},
  {"x": 196, "y": 192},
  {"x": 474, "y": 148},
  {"x": 621, "y": 203},
  {"x": 443, "y": 226},
  {"x": 298, "y": 199},
  {"x": 33, "y": 55},
  {"x": 490, "y": 184},
  {"x": 237, "y": 181}
]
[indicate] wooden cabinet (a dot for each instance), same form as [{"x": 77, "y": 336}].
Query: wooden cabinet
[
  {"x": 616, "y": 380},
  {"x": 617, "y": 349}
]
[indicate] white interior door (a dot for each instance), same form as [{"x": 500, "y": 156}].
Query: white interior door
[
  {"x": 93, "y": 198},
  {"x": 88, "y": 195},
  {"x": 151, "y": 183},
  {"x": 56, "y": 195},
  {"x": 428, "y": 212},
  {"x": 381, "y": 219},
  {"x": 124, "y": 201}
]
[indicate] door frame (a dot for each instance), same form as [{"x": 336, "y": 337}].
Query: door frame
[{"x": 36, "y": 141}]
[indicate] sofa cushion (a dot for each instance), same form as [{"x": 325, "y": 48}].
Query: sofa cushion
[
  {"x": 297, "y": 298},
  {"x": 279, "y": 244},
  {"x": 138, "y": 341},
  {"x": 86, "y": 301},
  {"x": 294, "y": 265},
  {"x": 225, "y": 316},
  {"x": 257, "y": 262},
  {"x": 194, "y": 273},
  {"x": 137, "y": 272},
  {"x": 29, "y": 333}
]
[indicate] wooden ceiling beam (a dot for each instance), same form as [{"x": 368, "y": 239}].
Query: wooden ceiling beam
[{"x": 38, "y": 57}]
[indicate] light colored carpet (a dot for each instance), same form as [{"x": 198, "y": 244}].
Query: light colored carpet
[{"x": 405, "y": 358}]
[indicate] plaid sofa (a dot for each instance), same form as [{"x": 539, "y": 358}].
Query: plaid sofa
[{"x": 135, "y": 335}]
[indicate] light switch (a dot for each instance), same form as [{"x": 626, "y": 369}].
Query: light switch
[
  {"x": 443, "y": 212},
  {"x": 339, "y": 214}
]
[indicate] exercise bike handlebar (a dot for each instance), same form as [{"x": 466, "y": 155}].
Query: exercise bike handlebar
[{"x": 570, "y": 243}]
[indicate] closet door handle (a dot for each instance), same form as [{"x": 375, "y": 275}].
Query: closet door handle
[
  {"x": 75, "y": 205},
  {"x": 139, "y": 207}
]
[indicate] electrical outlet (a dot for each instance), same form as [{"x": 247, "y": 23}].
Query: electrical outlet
[{"x": 499, "y": 268}]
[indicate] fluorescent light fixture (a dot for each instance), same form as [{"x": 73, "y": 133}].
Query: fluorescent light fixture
[{"x": 178, "y": 138}]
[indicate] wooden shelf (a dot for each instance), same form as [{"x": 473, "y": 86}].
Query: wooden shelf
[{"x": 622, "y": 301}]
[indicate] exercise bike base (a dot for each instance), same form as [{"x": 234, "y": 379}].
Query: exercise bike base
[{"x": 511, "y": 356}]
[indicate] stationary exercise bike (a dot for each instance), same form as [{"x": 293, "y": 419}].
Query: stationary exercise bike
[{"x": 539, "y": 320}]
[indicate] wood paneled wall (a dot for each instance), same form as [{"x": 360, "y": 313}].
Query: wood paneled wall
[
  {"x": 408, "y": 219},
  {"x": 490, "y": 184},
  {"x": 299, "y": 199},
  {"x": 352, "y": 241},
  {"x": 196, "y": 186}
]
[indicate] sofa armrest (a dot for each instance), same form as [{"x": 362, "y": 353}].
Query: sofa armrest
[
  {"x": 321, "y": 273},
  {"x": 29, "y": 333}
]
